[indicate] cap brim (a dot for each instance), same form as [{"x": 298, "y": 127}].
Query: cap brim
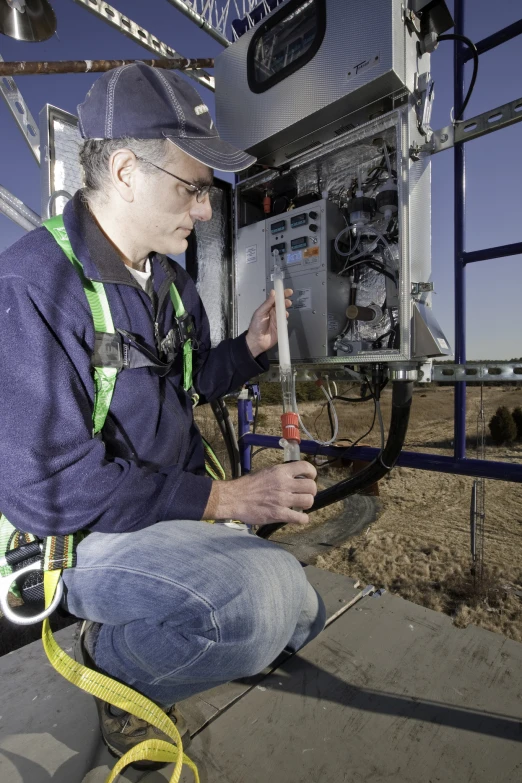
[{"x": 214, "y": 152}]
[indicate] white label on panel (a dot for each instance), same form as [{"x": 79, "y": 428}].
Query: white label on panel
[
  {"x": 443, "y": 344},
  {"x": 251, "y": 254},
  {"x": 302, "y": 299},
  {"x": 362, "y": 66},
  {"x": 333, "y": 323}
]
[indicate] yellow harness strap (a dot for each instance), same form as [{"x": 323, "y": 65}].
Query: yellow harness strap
[{"x": 120, "y": 696}]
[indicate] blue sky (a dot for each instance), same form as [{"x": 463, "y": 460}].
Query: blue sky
[{"x": 494, "y": 163}]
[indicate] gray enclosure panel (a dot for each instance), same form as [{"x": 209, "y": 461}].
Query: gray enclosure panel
[{"x": 367, "y": 53}]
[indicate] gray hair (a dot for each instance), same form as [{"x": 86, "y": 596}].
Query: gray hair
[{"x": 95, "y": 155}]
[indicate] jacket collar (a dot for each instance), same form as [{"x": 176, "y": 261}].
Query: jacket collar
[{"x": 100, "y": 259}]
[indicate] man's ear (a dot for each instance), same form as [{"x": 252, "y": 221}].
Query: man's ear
[{"x": 123, "y": 168}]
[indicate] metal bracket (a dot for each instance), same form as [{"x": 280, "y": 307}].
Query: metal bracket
[
  {"x": 17, "y": 211},
  {"x": 474, "y": 128},
  {"x": 424, "y": 105},
  {"x": 137, "y": 33},
  {"x": 21, "y": 113},
  {"x": 500, "y": 372},
  {"x": 421, "y": 288},
  {"x": 411, "y": 20}
]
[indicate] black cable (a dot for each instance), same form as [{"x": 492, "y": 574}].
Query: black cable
[
  {"x": 257, "y": 451},
  {"x": 384, "y": 462},
  {"x": 346, "y": 453},
  {"x": 474, "y": 52},
  {"x": 378, "y": 267},
  {"x": 228, "y": 433},
  {"x": 370, "y": 396}
]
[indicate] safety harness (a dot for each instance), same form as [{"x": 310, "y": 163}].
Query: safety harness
[{"x": 24, "y": 555}]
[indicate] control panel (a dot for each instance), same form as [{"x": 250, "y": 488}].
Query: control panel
[{"x": 297, "y": 240}]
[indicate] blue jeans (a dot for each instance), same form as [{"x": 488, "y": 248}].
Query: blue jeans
[{"x": 186, "y": 605}]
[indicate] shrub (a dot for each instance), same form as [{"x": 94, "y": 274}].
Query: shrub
[
  {"x": 502, "y": 427},
  {"x": 304, "y": 392},
  {"x": 517, "y": 418}
]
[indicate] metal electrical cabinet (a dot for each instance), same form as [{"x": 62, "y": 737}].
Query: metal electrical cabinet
[
  {"x": 332, "y": 95},
  {"x": 308, "y": 65}
]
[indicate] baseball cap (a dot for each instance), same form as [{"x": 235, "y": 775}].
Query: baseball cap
[{"x": 142, "y": 102}]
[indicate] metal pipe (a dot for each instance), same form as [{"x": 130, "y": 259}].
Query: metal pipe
[
  {"x": 488, "y": 253},
  {"x": 498, "y": 38},
  {"x": 459, "y": 187},
  {"x": 200, "y": 21},
  {"x": 500, "y": 471},
  {"x": 244, "y": 417},
  {"x": 27, "y": 68},
  {"x": 17, "y": 211}
]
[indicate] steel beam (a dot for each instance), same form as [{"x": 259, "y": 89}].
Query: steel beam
[
  {"x": 498, "y": 38},
  {"x": 474, "y": 128},
  {"x": 200, "y": 21},
  {"x": 491, "y": 372},
  {"x": 139, "y": 35},
  {"x": 17, "y": 211},
  {"x": 459, "y": 209},
  {"x": 501, "y": 471},
  {"x": 21, "y": 113},
  {"x": 488, "y": 253}
]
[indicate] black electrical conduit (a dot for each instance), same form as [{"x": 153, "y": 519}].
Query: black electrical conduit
[
  {"x": 402, "y": 392},
  {"x": 226, "y": 427}
]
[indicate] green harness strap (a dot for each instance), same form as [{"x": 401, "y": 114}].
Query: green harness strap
[{"x": 104, "y": 377}]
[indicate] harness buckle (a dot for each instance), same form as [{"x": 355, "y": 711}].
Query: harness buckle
[
  {"x": 186, "y": 328},
  {"x": 7, "y": 581}
]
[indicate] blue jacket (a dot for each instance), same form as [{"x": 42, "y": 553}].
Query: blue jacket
[{"x": 54, "y": 477}]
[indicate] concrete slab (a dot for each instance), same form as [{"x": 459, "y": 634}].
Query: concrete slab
[
  {"x": 389, "y": 692},
  {"x": 49, "y": 729}
]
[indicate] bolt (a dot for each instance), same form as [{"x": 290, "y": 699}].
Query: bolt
[
  {"x": 313, "y": 312},
  {"x": 444, "y": 137}
]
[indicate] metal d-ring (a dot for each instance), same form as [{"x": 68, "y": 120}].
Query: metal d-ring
[{"x": 8, "y": 611}]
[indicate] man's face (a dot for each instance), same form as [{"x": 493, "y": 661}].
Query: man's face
[{"x": 166, "y": 207}]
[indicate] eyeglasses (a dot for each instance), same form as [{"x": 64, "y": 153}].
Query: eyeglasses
[{"x": 200, "y": 192}]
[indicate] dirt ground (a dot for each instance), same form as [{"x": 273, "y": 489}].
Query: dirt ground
[{"x": 419, "y": 547}]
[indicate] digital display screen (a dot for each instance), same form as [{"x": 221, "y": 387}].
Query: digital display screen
[
  {"x": 300, "y": 243},
  {"x": 280, "y": 248},
  {"x": 278, "y": 227},
  {"x": 299, "y": 220}
]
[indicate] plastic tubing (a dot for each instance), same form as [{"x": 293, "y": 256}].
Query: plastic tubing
[
  {"x": 282, "y": 327},
  {"x": 334, "y": 413},
  {"x": 352, "y": 249}
]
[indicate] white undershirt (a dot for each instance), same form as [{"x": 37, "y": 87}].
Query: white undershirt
[{"x": 141, "y": 277}]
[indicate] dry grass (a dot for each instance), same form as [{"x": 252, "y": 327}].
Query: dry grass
[{"x": 419, "y": 547}]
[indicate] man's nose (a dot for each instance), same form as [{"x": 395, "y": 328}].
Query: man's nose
[{"x": 201, "y": 210}]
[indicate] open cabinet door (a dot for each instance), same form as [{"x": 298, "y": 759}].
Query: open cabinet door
[{"x": 209, "y": 261}]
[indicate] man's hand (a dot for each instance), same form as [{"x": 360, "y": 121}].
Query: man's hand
[
  {"x": 273, "y": 495},
  {"x": 262, "y": 332}
]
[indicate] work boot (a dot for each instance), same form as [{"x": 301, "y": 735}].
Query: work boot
[{"x": 121, "y": 730}]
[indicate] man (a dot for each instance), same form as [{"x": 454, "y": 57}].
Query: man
[{"x": 175, "y": 605}]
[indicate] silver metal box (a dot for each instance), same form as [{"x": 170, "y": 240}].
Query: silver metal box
[
  {"x": 364, "y": 54},
  {"x": 321, "y": 292}
]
